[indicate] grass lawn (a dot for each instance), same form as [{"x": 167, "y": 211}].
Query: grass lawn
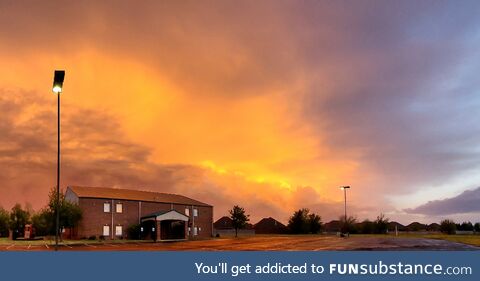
[{"x": 465, "y": 239}]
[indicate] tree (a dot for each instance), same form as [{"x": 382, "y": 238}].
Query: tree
[
  {"x": 4, "y": 222},
  {"x": 348, "y": 225},
  {"x": 302, "y": 222},
  {"x": 70, "y": 213},
  {"x": 477, "y": 227},
  {"x": 298, "y": 222},
  {"x": 381, "y": 224},
  {"x": 239, "y": 218},
  {"x": 44, "y": 221},
  {"x": 18, "y": 219},
  {"x": 315, "y": 223},
  {"x": 465, "y": 226},
  {"x": 448, "y": 226}
]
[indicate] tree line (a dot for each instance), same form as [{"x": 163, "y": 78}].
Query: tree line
[
  {"x": 303, "y": 221},
  {"x": 42, "y": 221}
]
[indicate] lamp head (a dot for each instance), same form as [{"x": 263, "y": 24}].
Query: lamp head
[
  {"x": 344, "y": 187},
  {"x": 58, "y": 81}
]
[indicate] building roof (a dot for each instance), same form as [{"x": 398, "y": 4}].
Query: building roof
[
  {"x": 269, "y": 225},
  {"x": 136, "y": 195},
  {"x": 223, "y": 223},
  {"x": 166, "y": 215}
]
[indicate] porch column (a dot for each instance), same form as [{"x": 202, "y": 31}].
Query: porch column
[
  {"x": 158, "y": 230},
  {"x": 185, "y": 223}
]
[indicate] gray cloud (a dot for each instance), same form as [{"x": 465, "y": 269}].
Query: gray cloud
[
  {"x": 467, "y": 202},
  {"x": 393, "y": 81}
]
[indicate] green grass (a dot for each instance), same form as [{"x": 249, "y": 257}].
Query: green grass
[{"x": 465, "y": 239}]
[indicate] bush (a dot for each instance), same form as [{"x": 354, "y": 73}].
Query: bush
[
  {"x": 93, "y": 237},
  {"x": 133, "y": 232},
  {"x": 448, "y": 226},
  {"x": 477, "y": 227}
]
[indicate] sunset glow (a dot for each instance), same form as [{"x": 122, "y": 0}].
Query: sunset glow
[{"x": 271, "y": 106}]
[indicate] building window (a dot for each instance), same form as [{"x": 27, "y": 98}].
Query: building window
[
  {"x": 106, "y": 230},
  {"x": 106, "y": 207},
  {"x": 195, "y": 212},
  {"x": 195, "y": 231},
  {"x": 118, "y": 230},
  {"x": 119, "y": 208},
  {"x": 187, "y": 212}
]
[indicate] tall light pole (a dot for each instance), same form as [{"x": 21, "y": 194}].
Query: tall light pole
[
  {"x": 345, "y": 196},
  {"x": 58, "y": 78}
]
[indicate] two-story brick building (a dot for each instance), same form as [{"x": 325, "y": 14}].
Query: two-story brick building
[{"x": 109, "y": 212}]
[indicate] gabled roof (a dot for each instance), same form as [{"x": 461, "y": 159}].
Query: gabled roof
[
  {"x": 269, "y": 225},
  {"x": 136, "y": 195},
  {"x": 166, "y": 215},
  {"x": 223, "y": 223}
]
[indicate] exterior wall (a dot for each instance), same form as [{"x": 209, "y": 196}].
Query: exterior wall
[{"x": 94, "y": 218}]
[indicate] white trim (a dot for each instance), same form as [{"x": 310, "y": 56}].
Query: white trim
[{"x": 170, "y": 215}]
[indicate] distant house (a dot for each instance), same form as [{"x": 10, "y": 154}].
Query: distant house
[
  {"x": 416, "y": 226},
  {"x": 332, "y": 226},
  {"x": 224, "y": 227},
  {"x": 109, "y": 212},
  {"x": 223, "y": 223},
  {"x": 434, "y": 227},
  {"x": 393, "y": 225},
  {"x": 269, "y": 226}
]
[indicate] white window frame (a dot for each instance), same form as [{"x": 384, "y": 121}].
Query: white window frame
[
  {"x": 117, "y": 209},
  {"x": 187, "y": 212},
  {"x": 195, "y": 212},
  {"x": 118, "y": 230},
  {"x": 195, "y": 231},
  {"x": 107, "y": 228},
  {"x": 106, "y": 207}
]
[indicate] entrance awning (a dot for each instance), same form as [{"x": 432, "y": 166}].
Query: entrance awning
[{"x": 165, "y": 215}]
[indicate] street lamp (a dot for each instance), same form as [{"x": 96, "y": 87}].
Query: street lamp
[
  {"x": 345, "y": 196},
  {"x": 58, "y": 78}
]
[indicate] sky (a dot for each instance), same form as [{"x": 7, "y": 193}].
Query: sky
[{"x": 270, "y": 105}]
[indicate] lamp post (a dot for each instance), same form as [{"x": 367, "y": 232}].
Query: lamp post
[
  {"x": 345, "y": 196},
  {"x": 58, "y": 78}
]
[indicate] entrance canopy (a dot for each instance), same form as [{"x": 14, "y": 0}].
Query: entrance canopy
[{"x": 165, "y": 215}]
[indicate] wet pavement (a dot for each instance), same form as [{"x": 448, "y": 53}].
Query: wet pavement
[{"x": 263, "y": 243}]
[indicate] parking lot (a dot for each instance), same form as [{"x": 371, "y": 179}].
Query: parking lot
[{"x": 252, "y": 243}]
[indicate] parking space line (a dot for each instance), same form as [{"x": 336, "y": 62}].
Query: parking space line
[
  {"x": 12, "y": 245},
  {"x": 112, "y": 245},
  {"x": 46, "y": 246},
  {"x": 88, "y": 245},
  {"x": 29, "y": 246}
]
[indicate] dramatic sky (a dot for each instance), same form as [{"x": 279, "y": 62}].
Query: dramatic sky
[{"x": 271, "y": 105}]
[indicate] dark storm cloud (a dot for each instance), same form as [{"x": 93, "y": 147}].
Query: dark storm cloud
[{"x": 467, "y": 202}]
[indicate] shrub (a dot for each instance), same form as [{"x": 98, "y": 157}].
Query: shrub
[
  {"x": 133, "y": 232},
  {"x": 448, "y": 226}
]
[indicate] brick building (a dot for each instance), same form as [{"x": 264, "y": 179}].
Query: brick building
[{"x": 109, "y": 212}]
